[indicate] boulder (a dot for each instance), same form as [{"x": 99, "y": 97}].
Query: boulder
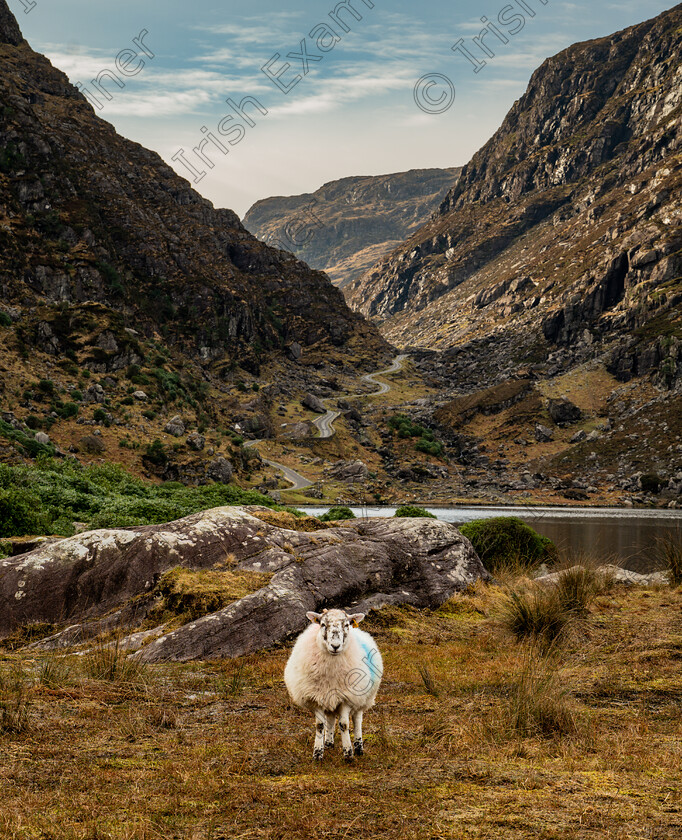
[
  {"x": 313, "y": 403},
  {"x": 361, "y": 565},
  {"x": 543, "y": 434},
  {"x": 196, "y": 441},
  {"x": 94, "y": 394},
  {"x": 563, "y": 411},
  {"x": 220, "y": 470},
  {"x": 175, "y": 426},
  {"x": 349, "y": 471}
]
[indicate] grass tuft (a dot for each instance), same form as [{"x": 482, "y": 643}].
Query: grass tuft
[
  {"x": 535, "y": 613},
  {"x": 107, "y": 661},
  {"x": 539, "y": 705},
  {"x": 55, "y": 672},
  {"x": 576, "y": 588},
  {"x": 428, "y": 679},
  {"x": 669, "y": 551},
  {"x": 15, "y": 701}
]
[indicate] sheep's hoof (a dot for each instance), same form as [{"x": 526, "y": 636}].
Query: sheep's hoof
[
  {"x": 329, "y": 745},
  {"x": 348, "y": 755},
  {"x": 318, "y": 755},
  {"x": 358, "y": 747}
]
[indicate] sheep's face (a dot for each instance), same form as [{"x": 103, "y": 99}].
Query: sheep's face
[{"x": 335, "y": 628}]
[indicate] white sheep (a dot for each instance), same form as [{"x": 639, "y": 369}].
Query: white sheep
[{"x": 334, "y": 671}]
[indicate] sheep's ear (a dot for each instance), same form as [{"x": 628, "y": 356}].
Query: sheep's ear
[
  {"x": 356, "y": 618},
  {"x": 314, "y": 617}
]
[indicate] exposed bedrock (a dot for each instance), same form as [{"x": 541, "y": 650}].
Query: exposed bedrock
[{"x": 363, "y": 563}]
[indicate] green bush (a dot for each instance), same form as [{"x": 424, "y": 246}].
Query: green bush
[
  {"x": 431, "y": 447},
  {"x": 507, "y": 541},
  {"x": 68, "y": 410},
  {"x": 336, "y": 513},
  {"x": 156, "y": 453},
  {"x": 20, "y": 513},
  {"x": 413, "y": 510},
  {"x": 5, "y": 320},
  {"x": 51, "y": 495},
  {"x": 651, "y": 483}
]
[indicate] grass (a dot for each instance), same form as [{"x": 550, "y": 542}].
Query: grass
[{"x": 583, "y": 746}]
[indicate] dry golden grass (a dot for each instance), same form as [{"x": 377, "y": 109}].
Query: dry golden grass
[{"x": 211, "y": 751}]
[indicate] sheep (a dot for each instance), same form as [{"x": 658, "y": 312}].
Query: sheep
[{"x": 334, "y": 671}]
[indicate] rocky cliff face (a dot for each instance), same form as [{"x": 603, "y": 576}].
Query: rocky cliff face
[
  {"x": 86, "y": 215},
  {"x": 563, "y": 236},
  {"x": 346, "y": 226}
]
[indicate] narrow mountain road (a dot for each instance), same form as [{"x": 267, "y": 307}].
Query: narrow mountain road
[
  {"x": 298, "y": 482},
  {"x": 325, "y": 423}
]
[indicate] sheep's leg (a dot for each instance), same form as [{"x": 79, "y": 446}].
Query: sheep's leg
[
  {"x": 318, "y": 750},
  {"x": 357, "y": 733},
  {"x": 344, "y": 728},
  {"x": 329, "y": 731}
]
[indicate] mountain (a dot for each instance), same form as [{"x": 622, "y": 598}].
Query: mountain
[
  {"x": 115, "y": 277},
  {"x": 346, "y": 226},
  {"x": 563, "y": 235}
]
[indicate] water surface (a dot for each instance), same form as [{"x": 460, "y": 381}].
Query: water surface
[{"x": 628, "y": 537}]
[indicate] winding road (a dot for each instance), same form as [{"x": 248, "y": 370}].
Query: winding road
[{"x": 325, "y": 423}]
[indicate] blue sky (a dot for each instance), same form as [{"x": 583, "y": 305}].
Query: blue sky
[{"x": 352, "y": 113}]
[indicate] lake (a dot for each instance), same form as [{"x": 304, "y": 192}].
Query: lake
[{"x": 620, "y": 535}]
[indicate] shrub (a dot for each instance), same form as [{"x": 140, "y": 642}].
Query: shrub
[
  {"x": 156, "y": 453},
  {"x": 68, "y": 410},
  {"x": 507, "y": 541},
  {"x": 336, "y": 513},
  {"x": 651, "y": 483},
  {"x": 5, "y": 320},
  {"x": 46, "y": 386},
  {"x": 20, "y": 513},
  {"x": 431, "y": 447},
  {"x": 413, "y": 510}
]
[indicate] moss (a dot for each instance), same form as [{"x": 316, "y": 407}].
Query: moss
[{"x": 193, "y": 594}]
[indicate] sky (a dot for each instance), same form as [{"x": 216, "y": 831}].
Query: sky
[{"x": 380, "y": 94}]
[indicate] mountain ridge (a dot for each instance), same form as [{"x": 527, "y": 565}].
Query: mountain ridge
[{"x": 346, "y": 225}]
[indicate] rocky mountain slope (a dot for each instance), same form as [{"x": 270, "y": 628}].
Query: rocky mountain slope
[
  {"x": 347, "y": 225},
  {"x": 545, "y": 295},
  {"x": 563, "y": 234},
  {"x": 111, "y": 266}
]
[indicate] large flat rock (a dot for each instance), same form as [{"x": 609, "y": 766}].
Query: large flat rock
[{"x": 365, "y": 563}]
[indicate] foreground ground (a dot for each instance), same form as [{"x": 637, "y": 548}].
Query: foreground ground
[{"x": 211, "y": 751}]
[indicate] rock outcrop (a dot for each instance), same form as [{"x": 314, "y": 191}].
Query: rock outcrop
[
  {"x": 346, "y": 226},
  {"x": 362, "y": 563},
  {"x": 565, "y": 229},
  {"x": 88, "y": 216}
]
